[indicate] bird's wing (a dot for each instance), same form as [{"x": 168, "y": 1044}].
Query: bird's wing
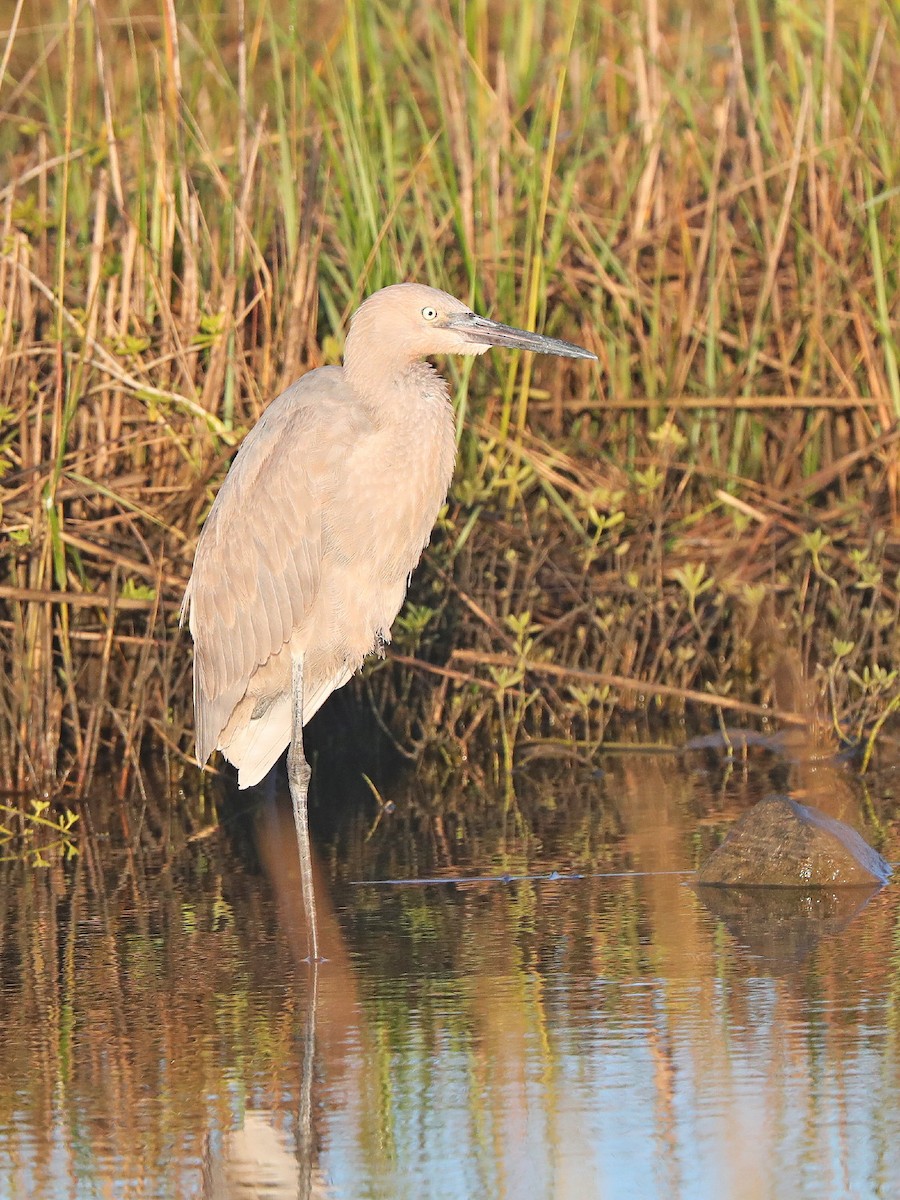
[{"x": 258, "y": 561}]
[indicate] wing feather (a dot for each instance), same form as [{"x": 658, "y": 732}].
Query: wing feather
[
  {"x": 269, "y": 625},
  {"x": 257, "y": 567}
]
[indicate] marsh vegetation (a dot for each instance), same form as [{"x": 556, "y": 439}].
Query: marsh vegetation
[{"x": 191, "y": 207}]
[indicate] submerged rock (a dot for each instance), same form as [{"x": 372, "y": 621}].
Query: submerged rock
[{"x": 781, "y": 843}]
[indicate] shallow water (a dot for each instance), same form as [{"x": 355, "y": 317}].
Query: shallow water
[{"x": 602, "y": 1034}]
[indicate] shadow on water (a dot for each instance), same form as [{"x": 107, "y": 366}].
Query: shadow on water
[{"x": 607, "y": 1033}]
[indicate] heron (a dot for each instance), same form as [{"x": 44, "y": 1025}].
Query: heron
[{"x": 304, "y": 559}]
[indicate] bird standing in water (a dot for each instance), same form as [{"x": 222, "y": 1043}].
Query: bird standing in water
[{"x": 304, "y": 560}]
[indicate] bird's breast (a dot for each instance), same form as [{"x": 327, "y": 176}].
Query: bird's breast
[
  {"x": 386, "y": 501},
  {"x": 381, "y": 481}
]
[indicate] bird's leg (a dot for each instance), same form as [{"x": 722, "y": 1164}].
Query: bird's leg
[{"x": 299, "y": 773}]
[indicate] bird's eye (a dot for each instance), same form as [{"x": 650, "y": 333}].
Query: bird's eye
[{"x": 429, "y": 313}]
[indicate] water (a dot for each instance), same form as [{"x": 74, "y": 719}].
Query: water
[{"x": 606, "y": 1035}]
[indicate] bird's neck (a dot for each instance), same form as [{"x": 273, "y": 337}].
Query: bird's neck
[
  {"x": 413, "y": 443},
  {"x": 397, "y": 392}
]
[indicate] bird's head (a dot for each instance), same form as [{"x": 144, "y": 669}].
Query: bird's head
[{"x": 408, "y": 321}]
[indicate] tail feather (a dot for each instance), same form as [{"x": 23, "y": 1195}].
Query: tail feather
[{"x": 256, "y": 744}]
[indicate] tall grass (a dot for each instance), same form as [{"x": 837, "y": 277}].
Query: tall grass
[{"x": 196, "y": 199}]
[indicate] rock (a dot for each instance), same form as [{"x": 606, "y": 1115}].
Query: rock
[{"x": 780, "y": 843}]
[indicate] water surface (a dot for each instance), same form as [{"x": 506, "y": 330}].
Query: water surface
[{"x": 611, "y": 1033}]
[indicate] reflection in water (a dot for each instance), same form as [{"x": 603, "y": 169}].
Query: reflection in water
[
  {"x": 784, "y": 925},
  {"x": 258, "y": 1160},
  {"x": 565, "y": 1038}
]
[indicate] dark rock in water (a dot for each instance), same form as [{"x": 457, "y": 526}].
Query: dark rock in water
[
  {"x": 781, "y": 926},
  {"x": 780, "y": 843}
]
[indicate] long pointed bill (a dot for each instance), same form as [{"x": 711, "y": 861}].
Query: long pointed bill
[{"x": 480, "y": 331}]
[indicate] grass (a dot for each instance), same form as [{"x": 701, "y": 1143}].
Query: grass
[{"x": 192, "y": 208}]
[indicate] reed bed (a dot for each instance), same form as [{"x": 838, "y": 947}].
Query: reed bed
[{"x": 194, "y": 199}]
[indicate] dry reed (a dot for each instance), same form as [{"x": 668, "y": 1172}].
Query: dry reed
[{"x": 193, "y": 205}]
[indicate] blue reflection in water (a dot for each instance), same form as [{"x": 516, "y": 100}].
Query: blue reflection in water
[{"x": 719, "y": 1084}]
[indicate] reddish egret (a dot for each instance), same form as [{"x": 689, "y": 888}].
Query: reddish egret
[{"x": 305, "y": 557}]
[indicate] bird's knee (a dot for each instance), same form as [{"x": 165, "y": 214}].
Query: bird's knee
[{"x": 299, "y": 770}]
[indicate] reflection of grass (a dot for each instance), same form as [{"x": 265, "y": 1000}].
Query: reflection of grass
[
  {"x": 711, "y": 211},
  {"x": 36, "y": 834},
  {"x": 131, "y": 1035},
  {"x": 150, "y": 996}
]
